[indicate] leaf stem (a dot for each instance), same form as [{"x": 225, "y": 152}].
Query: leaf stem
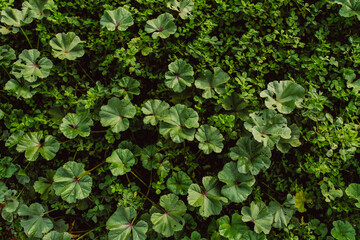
[
  {"x": 50, "y": 211},
  {"x": 26, "y": 37},
  {"x": 88, "y": 232},
  {"x": 6, "y": 71},
  {"x": 86, "y": 73},
  {"x": 100, "y": 131},
  {"x": 95, "y": 167},
  {"x": 139, "y": 178}
]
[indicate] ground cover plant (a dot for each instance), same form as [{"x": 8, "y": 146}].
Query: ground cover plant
[{"x": 179, "y": 119}]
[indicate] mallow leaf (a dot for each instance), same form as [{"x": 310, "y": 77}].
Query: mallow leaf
[
  {"x": 121, "y": 161},
  {"x": 162, "y": 26},
  {"x": 195, "y": 235},
  {"x": 121, "y": 225},
  {"x": 54, "y": 235},
  {"x": 349, "y": 8},
  {"x": 282, "y": 213},
  {"x": 179, "y": 123},
  {"x": 300, "y": 200},
  {"x": 126, "y": 87},
  {"x": 32, "y": 144},
  {"x": 353, "y": 191},
  {"x": 179, "y": 76},
  {"x": 7, "y": 168},
  {"x": 268, "y": 127},
  {"x": 284, "y": 145},
  {"x": 184, "y": 7},
  {"x": 29, "y": 67},
  {"x": 236, "y": 105},
  {"x": 7, "y": 54},
  {"x": 238, "y": 186},
  {"x": 179, "y": 183},
  {"x": 251, "y": 235},
  {"x": 155, "y": 109},
  {"x": 67, "y": 46},
  {"x": 288, "y": 95},
  {"x": 150, "y": 157},
  {"x": 212, "y": 83},
  {"x": 343, "y": 230},
  {"x": 210, "y": 139},
  {"x": 71, "y": 182},
  {"x": 251, "y": 155},
  {"x": 258, "y": 214},
  {"x": 119, "y": 19},
  {"x": 44, "y": 185},
  {"x": 20, "y": 87},
  {"x": 36, "y": 224},
  {"x": 170, "y": 219},
  {"x": 37, "y": 8},
  {"x": 234, "y": 229},
  {"x": 207, "y": 198},
  {"x": 116, "y": 113},
  {"x": 14, "y": 17},
  {"x": 74, "y": 124}
]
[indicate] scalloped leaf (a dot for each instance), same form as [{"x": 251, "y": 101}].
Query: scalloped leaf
[
  {"x": 126, "y": 87},
  {"x": 179, "y": 76},
  {"x": 183, "y": 7},
  {"x": 156, "y": 109},
  {"x": 212, "y": 83},
  {"x": 236, "y": 105},
  {"x": 162, "y": 26},
  {"x": 119, "y": 19},
  {"x": 67, "y": 46},
  {"x": 284, "y": 145},
  {"x": 74, "y": 124},
  {"x": 150, "y": 157},
  {"x": 210, "y": 139},
  {"x": 179, "y": 183},
  {"x": 258, "y": 214},
  {"x": 282, "y": 213},
  {"x": 54, "y": 235},
  {"x": 349, "y": 8},
  {"x": 343, "y": 230},
  {"x": 14, "y": 17},
  {"x": 20, "y": 87},
  {"x": 7, "y": 168},
  {"x": 121, "y": 161},
  {"x": 38, "y": 8},
  {"x": 233, "y": 230},
  {"x": 353, "y": 191},
  {"x": 7, "y": 54}
]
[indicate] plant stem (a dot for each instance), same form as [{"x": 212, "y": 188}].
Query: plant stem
[
  {"x": 50, "y": 211},
  {"x": 100, "y": 131},
  {"x": 152, "y": 202},
  {"x": 20, "y": 193},
  {"x": 65, "y": 141},
  {"x": 88, "y": 232},
  {"x": 139, "y": 178},
  {"x": 86, "y": 73},
  {"x": 146, "y": 196},
  {"x": 26, "y": 37},
  {"x": 6, "y": 71},
  {"x": 95, "y": 167}
]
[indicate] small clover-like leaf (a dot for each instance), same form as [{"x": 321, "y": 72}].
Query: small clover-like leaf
[
  {"x": 121, "y": 225},
  {"x": 179, "y": 183},
  {"x": 353, "y": 191},
  {"x": 116, "y": 113},
  {"x": 119, "y": 19},
  {"x": 236, "y": 105},
  {"x": 238, "y": 186},
  {"x": 71, "y": 182},
  {"x": 349, "y": 8},
  {"x": 212, "y": 83},
  {"x": 162, "y": 26},
  {"x": 171, "y": 219},
  {"x": 234, "y": 229},
  {"x": 126, "y": 87},
  {"x": 288, "y": 95},
  {"x": 7, "y": 54},
  {"x": 156, "y": 109},
  {"x": 210, "y": 139},
  {"x": 251, "y": 155},
  {"x": 343, "y": 230},
  {"x": 30, "y": 68},
  {"x": 20, "y": 87},
  {"x": 67, "y": 46},
  {"x": 14, "y": 17},
  {"x": 54, "y": 235},
  {"x": 37, "y": 8},
  {"x": 208, "y": 199},
  {"x": 32, "y": 145},
  {"x": 36, "y": 224},
  {"x": 121, "y": 161},
  {"x": 74, "y": 124},
  {"x": 179, "y": 76},
  {"x": 258, "y": 214},
  {"x": 184, "y": 7}
]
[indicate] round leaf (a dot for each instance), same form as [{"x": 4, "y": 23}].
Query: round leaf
[
  {"x": 67, "y": 46},
  {"x": 179, "y": 76},
  {"x": 20, "y": 87},
  {"x": 353, "y": 191},
  {"x": 212, "y": 83},
  {"x": 14, "y": 17},
  {"x": 258, "y": 214},
  {"x": 184, "y": 7},
  {"x": 126, "y": 87},
  {"x": 179, "y": 183},
  {"x": 37, "y": 8},
  {"x": 54, "y": 235},
  {"x": 119, "y": 18},
  {"x": 76, "y": 124},
  {"x": 232, "y": 230},
  {"x": 121, "y": 161},
  {"x": 7, "y": 54},
  {"x": 156, "y": 110},
  {"x": 210, "y": 139},
  {"x": 349, "y": 8},
  {"x": 162, "y": 26},
  {"x": 343, "y": 231}
]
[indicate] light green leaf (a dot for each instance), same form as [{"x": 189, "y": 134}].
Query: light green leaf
[
  {"x": 179, "y": 76},
  {"x": 184, "y": 7},
  {"x": 353, "y": 191},
  {"x": 258, "y": 214},
  {"x": 116, "y": 114},
  {"x": 300, "y": 200},
  {"x": 156, "y": 109},
  {"x": 233, "y": 230},
  {"x": 54, "y": 235},
  {"x": 71, "y": 182},
  {"x": 119, "y": 18},
  {"x": 38, "y": 8},
  {"x": 67, "y": 46},
  {"x": 195, "y": 235},
  {"x": 7, "y": 54},
  {"x": 212, "y": 83},
  {"x": 179, "y": 183},
  {"x": 343, "y": 230},
  {"x": 162, "y": 26},
  {"x": 121, "y": 161},
  {"x": 20, "y": 87},
  {"x": 14, "y": 17},
  {"x": 74, "y": 124},
  {"x": 284, "y": 145},
  {"x": 282, "y": 213},
  {"x": 349, "y": 8},
  {"x": 210, "y": 139}
]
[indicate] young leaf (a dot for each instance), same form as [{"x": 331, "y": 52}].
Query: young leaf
[
  {"x": 36, "y": 224},
  {"x": 20, "y": 87},
  {"x": 209, "y": 200},
  {"x": 251, "y": 155},
  {"x": 121, "y": 225},
  {"x": 7, "y": 54},
  {"x": 116, "y": 114},
  {"x": 67, "y": 46},
  {"x": 127, "y": 87},
  {"x": 210, "y": 139},
  {"x": 353, "y": 191},
  {"x": 54, "y": 235},
  {"x": 7, "y": 168},
  {"x": 238, "y": 186},
  {"x": 38, "y": 8},
  {"x": 32, "y": 145},
  {"x": 71, "y": 182},
  {"x": 44, "y": 185},
  {"x": 179, "y": 183},
  {"x": 343, "y": 231},
  {"x": 258, "y": 214},
  {"x": 74, "y": 124},
  {"x": 119, "y": 18},
  {"x": 162, "y": 26},
  {"x": 300, "y": 201},
  {"x": 184, "y": 7},
  {"x": 14, "y": 17},
  {"x": 232, "y": 230},
  {"x": 150, "y": 157},
  {"x": 284, "y": 145},
  {"x": 30, "y": 68},
  {"x": 179, "y": 123},
  {"x": 156, "y": 110},
  {"x": 179, "y": 76},
  {"x": 236, "y": 105},
  {"x": 349, "y": 8},
  {"x": 121, "y": 161},
  {"x": 212, "y": 83},
  {"x": 171, "y": 219}
]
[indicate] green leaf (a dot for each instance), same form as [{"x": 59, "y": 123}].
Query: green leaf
[
  {"x": 54, "y": 235},
  {"x": 236, "y": 105},
  {"x": 282, "y": 213},
  {"x": 150, "y": 157},
  {"x": 14, "y": 17},
  {"x": 32, "y": 145},
  {"x": 121, "y": 161},
  {"x": 116, "y": 113},
  {"x": 74, "y": 124},
  {"x": 300, "y": 201},
  {"x": 121, "y": 225},
  {"x": 7, "y": 168},
  {"x": 195, "y": 235},
  {"x": 179, "y": 76},
  {"x": 179, "y": 123},
  {"x": 119, "y": 18},
  {"x": 233, "y": 230},
  {"x": 30, "y": 68},
  {"x": 349, "y": 8},
  {"x": 71, "y": 182},
  {"x": 37, "y": 8},
  {"x": 156, "y": 109},
  {"x": 162, "y": 26},
  {"x": 250, "y": 235},
  {"x": 179, "y": 183},
  {"x": 67, "y": 46},
  {"x": 184, "y": 7},
  {"x": 126, "y": 87},
  {"x": 210, "y": 139},
  {"x": 258, "y": 214},
  {"x": 284, "y": 145},
  {"x": 7, "y": 54},
  {"x": 251, "y": 155},
  {"x": 208, "y": 199},
  {"x": 238, "y": 186},
  {"x": 343, "y": 230},
  {"x": 353, "y": 191},
  {"x": 288, "y": 95},
  {"x": 44, "y": 185},
  {"x": 36, "y": 224},
  {"x": 171, "y": 219},
  {"x": 212, "y": 83},
  {"x": 268, "y": 127},
  {"x": 20, "y": 87}
]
